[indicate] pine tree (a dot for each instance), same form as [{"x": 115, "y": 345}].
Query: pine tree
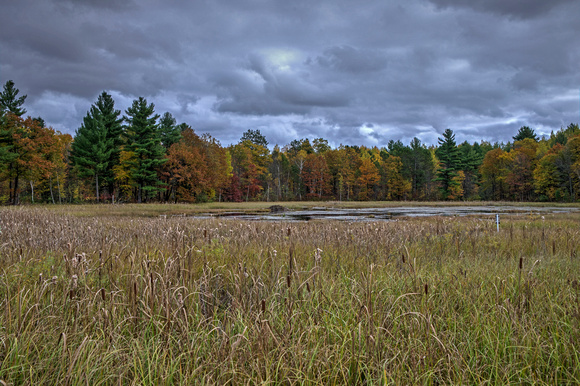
[
  {"x": 10, "y": 126},
  {"x": 91, "y": 150},
  {"x": 10, "y": 112},
  {"x": 9, "y": 100},
  {"x": 525, "y": 132},
  {"x": 7, "y": 154},
  {"x": 169, "y": 131},
  {"x": 97, "y": 144},
  {"x": 449, "y": 163},
  {"x": 112, "y": 123},
  {"x": 255, "y": 137},
  {"x": 144, "y": 139}
]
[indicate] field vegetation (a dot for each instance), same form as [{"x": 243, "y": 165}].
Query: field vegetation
[{"x": 138, "y": 298}]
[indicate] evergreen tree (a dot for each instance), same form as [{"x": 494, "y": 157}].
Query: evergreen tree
[
  {"x": 6, "y": 145},
  {"x": 91, "y": 150},
  {"x": 421, "y": 169},
  {"x": 8, "y": 150},
  {"x": 39, "y": 121},
  {"x": 169, "y": 131},
  {"x": 9, "y": 100},
  {"x": 10, "y": 111},
  {"x": 144, "y": 140},
  {"x": 112, "y": 123},
  {"x": 525, "y": 132},
  {"x": 471, "y": 159},
  {"x": 97, "y": 144},
  {"x": 255, "y": 137},
  {"x": 449, "y": 164}
]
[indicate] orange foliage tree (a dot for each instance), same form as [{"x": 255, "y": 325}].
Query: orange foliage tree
[
  {"x": 316, "y": 176},
  {"x": 197, "y": 167},
  {"x": 368, "y": 178},
  {"x": 396, "y": 187},
  {"x": 494, "y": 171}
]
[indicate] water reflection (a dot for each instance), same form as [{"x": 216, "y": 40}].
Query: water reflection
[{"x": 386, "y": 214}]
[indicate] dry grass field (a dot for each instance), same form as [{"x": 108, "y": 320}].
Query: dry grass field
[{"x": 91, "y": 295}]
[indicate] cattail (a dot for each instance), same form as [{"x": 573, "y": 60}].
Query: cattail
[
  {"x": 403, "y": 257},
  {"x": 289, "y": 231},
  {"x": 180, "y": 300},
  {"x": 317, "y": 257},
  {"x": 263, "y": 305},
  {"x": 521, "y": 263},
  {"x": 103, "y": 295},
  {"x": 307, "y": 287},
  {"x": 426, "y": 289},
  {"x": 289, "y": 280}
]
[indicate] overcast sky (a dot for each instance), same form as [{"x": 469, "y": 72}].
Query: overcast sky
[{"x": 353, "y": 72}]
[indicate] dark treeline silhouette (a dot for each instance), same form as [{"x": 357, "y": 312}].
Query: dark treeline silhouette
[{"x": 140, "y": 156}]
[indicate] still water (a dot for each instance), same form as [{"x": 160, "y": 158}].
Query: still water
[{"x": 386, "y": 214}]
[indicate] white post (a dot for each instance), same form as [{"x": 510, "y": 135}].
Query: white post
[{"x": 497, "y": 221}]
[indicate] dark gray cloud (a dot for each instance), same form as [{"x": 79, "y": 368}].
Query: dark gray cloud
[
  {"x": 350, "y": 72},
  {"x": 521, "y": 9},
  {"x": 353, "y": 60}
]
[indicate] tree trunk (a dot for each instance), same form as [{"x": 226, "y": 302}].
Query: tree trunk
[
  {"x": 97, "y": 185},
  {"x": 51, "y": 194},
  {"x": 11, "y": 198},
  {"x": 58, "y": 186},
  {"x": 15, "y": 194}
]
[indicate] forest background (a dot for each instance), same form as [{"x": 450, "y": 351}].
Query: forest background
[{"x": 142, "y": 156}]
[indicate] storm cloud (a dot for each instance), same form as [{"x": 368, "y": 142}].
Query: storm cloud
[{"x": 350, "y": 72}]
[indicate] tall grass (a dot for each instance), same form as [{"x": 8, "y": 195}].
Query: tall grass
[{"x": 149, "y": 300}]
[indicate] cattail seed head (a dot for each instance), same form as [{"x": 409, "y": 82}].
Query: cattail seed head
[{"x": 180, "y": 299}]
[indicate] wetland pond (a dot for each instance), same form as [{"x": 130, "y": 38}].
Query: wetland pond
[{"x": 278, "y": 213}]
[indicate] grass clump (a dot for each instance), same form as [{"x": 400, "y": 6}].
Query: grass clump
[{"x": 175, "y": 300}]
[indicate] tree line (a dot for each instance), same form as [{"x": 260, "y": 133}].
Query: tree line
[{"x": 140, "y": 156}]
